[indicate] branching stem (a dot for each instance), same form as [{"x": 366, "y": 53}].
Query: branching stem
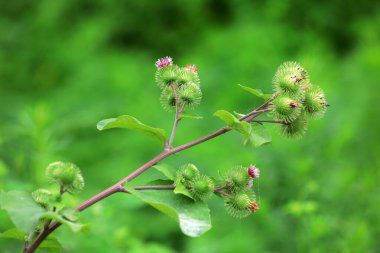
[
  {"x": 118, "y": 187},
  {"x": 270, "y": 121},
  {"x": 177, "y": 118}
]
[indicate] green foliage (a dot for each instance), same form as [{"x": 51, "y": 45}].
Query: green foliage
[
  {"x": 193, "y": 217},
  {"x": 65, "y": 219},
  {"x": 129, "y": 122},
  {"x": 166, "y": 169},
  {"x": 260, "y": 135},
  {"x": 21, "y": 208},
  {"x": 13, "y": 233},
  {"x": 253, "y": 134},
  {"x": 256, "y": 92},
  {"x": 51, "y": 245},
  {"x": 103, "y": 67},
  {"x": 227, "y": 117}
]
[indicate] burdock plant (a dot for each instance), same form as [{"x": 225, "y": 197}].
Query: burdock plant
[{"x": 184, "y": 193}]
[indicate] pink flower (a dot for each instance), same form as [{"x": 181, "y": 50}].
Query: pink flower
[
  {"x": 253, "y": 171},
  {"x": 164, "y": 62},
  {"x": 192, "y": 68},
  {"x": 253, "y": 207}
]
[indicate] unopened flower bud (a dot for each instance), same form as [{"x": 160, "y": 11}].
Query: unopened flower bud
[
  {"x": 201, "y": 187},
  {"x": 187, "y": 173},
  {"x": 286, "y": 108},
  {"x": 239, "y": 205}
]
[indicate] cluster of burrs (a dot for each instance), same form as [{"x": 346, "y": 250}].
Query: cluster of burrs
[
  {"x": 235, "y": 187},
  {"x": 69, "y": 179},
  {"x": 296, "y": 99},
  {"x": 180, "y": 85}
]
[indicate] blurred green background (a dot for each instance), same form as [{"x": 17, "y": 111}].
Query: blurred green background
[{"x": 65, "y": 65}]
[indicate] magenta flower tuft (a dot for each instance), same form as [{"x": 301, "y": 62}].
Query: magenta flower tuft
[
  {"x": 192, "y": 68},
  {"x": 253, "y": 171},
  {"x": 164, "y": 62}
]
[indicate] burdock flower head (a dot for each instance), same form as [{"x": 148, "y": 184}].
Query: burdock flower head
[
  {"x": 164, "y": 62},
  {"x": 253, "y": 171},
  {"x": 192, "y": 68}
]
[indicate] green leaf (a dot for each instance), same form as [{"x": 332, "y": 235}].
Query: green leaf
[
  {"x": 74, "y": 226},
  {"x": 183, "y": 116},
  {"x": 21, "y": 208},
  {"x": 227, "y": 117},
  {"x": 193, "y": 217},
  {"x": 260, "y": 135},
  {"x": 245, "y": 129},
  {"x": 181, "y": 189},
  {"x": 238, "y": 114},
  {"x": 126, "y": 121},
  {"x": 13, "y": 233},
  {"x": 70, "y": 214},
  {"x": 50, "y": 245},
  {"x": 256, "y": 92},
  {"x": 166, "y": 169}
]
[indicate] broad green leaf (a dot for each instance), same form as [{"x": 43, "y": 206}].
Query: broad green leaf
[
  {"x": 238, "y": 114},
  {"x": 183, "y": 116},
  {"x": 256, "y": 92},
  {"x": 181, "y": 189},
  {"x": 166, "y": 169},
  {"x": 74, "y": 226},
  {"x": 126, "y": 121},
  {"x": 227, "y": 117},
  {"x": 260, "y": 135},
  {"x": 50, "y": 245},
  {"x": 21, "y": 208},
  {"x": 13, "y": 233},
  {"x": 193, "y": 217},
  {"x": 245, "y": 129},
  {"x": 70, "y": 214}
]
